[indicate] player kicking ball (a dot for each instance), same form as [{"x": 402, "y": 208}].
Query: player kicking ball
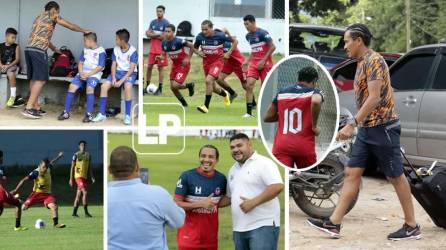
[
  {"x": 80, "y": 168},
  {"x": 296, "y": 108},
  {"x": 42, "y": 189},
  {"x": 259, "y": 62},
  {"x": 198, "y": 192},
  {"x": 211, "y": 43},
  {"x": 175, "y": 48}
]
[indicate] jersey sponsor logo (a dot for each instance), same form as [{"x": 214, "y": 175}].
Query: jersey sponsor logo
[{"x": 179, "y": 185}]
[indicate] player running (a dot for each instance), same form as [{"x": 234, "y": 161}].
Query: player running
[
  {"x": 175, "y": 48},
  {"x": 259, "y": 62},
  {"x": 80, "y": 168},
  {"x": 211, "y": 43},
  {"x": 7, "y": 198},
  {"x": 296, "y": 108},
  {"x": 198, "y": 192},
  {"x": 42, "y": 188},
  {"x": 155, "y": 33}
]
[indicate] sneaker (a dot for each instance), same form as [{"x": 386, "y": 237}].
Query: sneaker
[
  {"x": 203, "y": 109},
  {"x": 19, "y": 102},
  {"x": 10, "y": 102},
  {"x": 406, "y": 233},
  {"x": 127, "y": 120},
  {"x": 60, "y": 225},
  {"x": 31, "y": 113},
  {"x": 232, "y": 97},
  {"x": 191, "y": 87},
  {"x": 158, "y": 92},
  {"x": 326, "y": 226},
  {"x": 63, "y": 116},
  {"x": 99, "y": 118},
  {"x": 87, "y": 118},
  {"x": 226, "y": 99},
  {"x": 247, "y": 116},
  {"x": 20, "y": 228},
  {"x": 41, "y": 112}
]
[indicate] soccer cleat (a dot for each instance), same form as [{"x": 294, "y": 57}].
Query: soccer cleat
[
  {"x": 247, "y": 116},
  {"x": 87, "y": 118},
  {"x": 88, "y": 215},
  {"x": 75, "y": 215},
  {"x": 10, "y": 102},
  {"x": 60, "y": 225},
  {"x": 406, "y": 233},
  {"x": 99, "y": 118},
  {"x": 127, "y": 120},
  {"x": 191, "y": 87},
  {"x": 20, "y": 228},
  {"x": 203, "y": 109},
  {"x": 19, "y": 102},
  {"x": 63, "y": 116},
  {"x": 226, "y": 99},
  {"x": 31, "y": 113},
  {"x": 232, "y": 97},
  {"x": 326, "y": 226}
]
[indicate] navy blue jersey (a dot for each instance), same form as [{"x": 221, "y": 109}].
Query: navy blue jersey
[
  {"x": 259, "y": 41},
  {"x": 298, "y": 89},
  {"x": 158, "y": 27},
  {"x": 175, "y": 49},
  {"x": 212, "y": 46}
]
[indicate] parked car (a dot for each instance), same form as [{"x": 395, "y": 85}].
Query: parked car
[
  {"x": 344, "y": 73},
  {"x": 324, "y": 43},
  {"x": 419, "y": 82}
]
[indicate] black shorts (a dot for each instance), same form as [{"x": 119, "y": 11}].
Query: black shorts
[
  {"x": 379, "y": 147},
  {"x": 37, "y": 67}
]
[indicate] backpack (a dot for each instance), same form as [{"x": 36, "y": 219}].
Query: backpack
[
  {"x": 184, "y": 29},
  {"x": 63, "y": 64},
  {"x": 108, "y": 62}
]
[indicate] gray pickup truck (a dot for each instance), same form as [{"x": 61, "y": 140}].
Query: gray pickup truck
[{"x": 419, "y": 82}]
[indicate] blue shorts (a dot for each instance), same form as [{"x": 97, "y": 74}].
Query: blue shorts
[
  {"x": 91, "y": 81},
  {"x": 121, "y": 74},
  {"x": 379, "y": 147},
  {"x": 262, "y": 238}
]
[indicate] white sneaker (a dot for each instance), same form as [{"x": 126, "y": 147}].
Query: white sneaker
[{"x": 247, "y": 115}]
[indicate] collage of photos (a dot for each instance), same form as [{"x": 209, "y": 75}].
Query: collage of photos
[{"x": 222, "y": 124}]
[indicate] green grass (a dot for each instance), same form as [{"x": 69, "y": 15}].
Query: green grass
[
  {"x": 165, "y": 170},
  {"x": 219, "y": 115},
  {"x": 80, "y": 233}
]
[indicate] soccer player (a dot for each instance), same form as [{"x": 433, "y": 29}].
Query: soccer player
[
  {"x": 7, "y": 198},
  {"x": 175, "y": 48},
  {"x": 296, "y": 108},
  {"x": 199, "y": 191},
  {"x": 91, "y": 64},
  {"x": 211, "y": 43},
  {"x": 259, "y": 62},
  {"x": 155, "y": 33},
  {"x": 123, "y": 72},
  {"x": 80, "y": 168},
  {"x": 42, "y": 188}
]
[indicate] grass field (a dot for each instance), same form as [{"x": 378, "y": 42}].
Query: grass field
[
  {"x": 218, "y": 115},
  {"x": 80, "y": 233},
  {"x": 165, "y": 170}
]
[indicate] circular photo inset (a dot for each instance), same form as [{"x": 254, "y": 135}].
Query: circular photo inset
[{"x": 299, "y": 112}]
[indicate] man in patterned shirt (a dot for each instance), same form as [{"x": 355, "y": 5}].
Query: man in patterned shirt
[{"x": 378, "y": 135}]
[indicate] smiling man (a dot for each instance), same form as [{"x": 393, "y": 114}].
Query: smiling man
[{"x": 198, "y": 192}]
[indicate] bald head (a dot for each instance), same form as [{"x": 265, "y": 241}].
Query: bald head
[{"x": 123, "y": 163}]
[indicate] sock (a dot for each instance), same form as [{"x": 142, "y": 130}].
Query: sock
[
  {"x": 160, "y": 86},
  {"x": 183, "y": 102},
  {"x": 102, "y": 104},
  {"x": 75, "y": 210},
  {"x": 249, "y": 108},
  {"x": 147, "y": 83},
  {"x": 86, "y": 209},
  {"x": 13, "y": 91},
  {"x": 128, "y": 107},
  {"x": 90, "y": 103},
  {"x": 17, "y": 222},
  {"x": 207, "y": 100},
  {"x": 230, "y": 90},
  {"x": 56, "y": 220},
  {"x": 68, "y": 101},
  {"x": 223, "y": 93},
  {"x": 254, "y": 100}
]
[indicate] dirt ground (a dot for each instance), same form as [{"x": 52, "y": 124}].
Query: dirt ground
[
  {"x": 13, "y": 117},
  {"x": 368, "y": 224}
]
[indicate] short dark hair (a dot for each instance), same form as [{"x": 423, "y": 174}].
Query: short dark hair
[
  {"x": 171, "y": 26},
  {"x": 1, "y": 153},
  {"x": 123, "y": 34},
  {"x": 249, "y": 18},
  {"x": 208, "y": 23},
  {"x": 50, "y": 5},
  {"x": 161, "y": 7},
  {"x": 308, "y": 74},
  {"x": 217, "y": 153},
  {"x": 82, "y": 141},
  {"x": 91, "y": 36},
  {"x": 11, "y": 31},
  {"x": 123, "y": 162},
  {"x": 239, "y": 136},
  {"x": 360, "y": 30}
]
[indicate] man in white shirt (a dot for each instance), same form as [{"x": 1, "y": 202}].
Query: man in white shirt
[{"x": 254, "y": 182}]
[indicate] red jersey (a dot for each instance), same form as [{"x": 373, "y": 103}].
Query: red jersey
[
  {"x": 157, "y": 26},
  {"x": 175, "y": 49},
  {"x": 259, "y": 41},
  {"x": 212, "y": 46}
]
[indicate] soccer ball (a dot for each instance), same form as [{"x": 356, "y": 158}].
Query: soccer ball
[
  {"x": 40, "y": 224},
  {"x": 151, "y": 88}
]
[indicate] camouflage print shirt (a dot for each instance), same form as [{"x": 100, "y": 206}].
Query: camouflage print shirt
[
  {"x": 371, "y": 67},
  {"x": 42, "y": 31}
]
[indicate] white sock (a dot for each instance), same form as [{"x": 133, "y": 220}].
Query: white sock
[{"x": 13, "y": 91}]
